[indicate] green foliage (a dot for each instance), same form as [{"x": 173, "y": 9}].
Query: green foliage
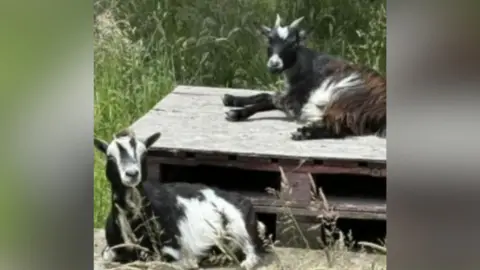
[{"x": 144, "y": 47}]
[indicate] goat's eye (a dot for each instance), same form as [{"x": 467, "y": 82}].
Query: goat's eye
[
  {"x": 291, "y": 44},
  {"x": 291, "y": 41}
]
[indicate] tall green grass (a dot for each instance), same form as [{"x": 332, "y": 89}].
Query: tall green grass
[{"x": 144, "y": 47}]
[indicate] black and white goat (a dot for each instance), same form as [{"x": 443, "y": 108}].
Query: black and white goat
[
  {"x": 331, "y": 97},
  {"x": 193, "y": 217}
]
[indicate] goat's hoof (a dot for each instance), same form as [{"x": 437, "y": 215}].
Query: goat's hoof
[
  {"x": 144, "y": 256},
  {"x": 298, "y": 136},
  {"x": 108, "y": 254},
  {"x": 249, "y": 263},
  {"x": 228, "y": 100},
  {"x": 234, "y": 115}
]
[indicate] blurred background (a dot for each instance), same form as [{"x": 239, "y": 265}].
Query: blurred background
[{"x": 47, "y": 114}]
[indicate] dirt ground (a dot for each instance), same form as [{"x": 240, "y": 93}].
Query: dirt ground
[{"x": 281, "y": 259}]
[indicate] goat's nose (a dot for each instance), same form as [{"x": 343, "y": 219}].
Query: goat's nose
[
  {"x": 132, "y": 173},
  {"x": 274, "y": 64}
]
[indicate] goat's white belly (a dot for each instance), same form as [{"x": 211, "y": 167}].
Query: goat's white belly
[
  {"x": 204, "y": 226},
  {"x": 311, "y": 113},
  {"x": 200, "y": 228},
  {"x": 314, "y": 108}
]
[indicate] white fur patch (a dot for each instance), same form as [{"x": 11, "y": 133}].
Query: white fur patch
[
  {"x": 275, "y": 61},
  {"x": 283, "y": 32},
  {"x": 172, "y": 252},
  {"x": 313, "y": 110},
  {"x": 108, "y": 254},
  {"x": 261, "y": 229},
  {"x": 203, "y": 226}
]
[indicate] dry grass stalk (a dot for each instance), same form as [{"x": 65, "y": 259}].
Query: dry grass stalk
[
  {"x": 136, "y": 206},
  {"x": 334, "y": 240},
  {"x": 382, "y": 249}
]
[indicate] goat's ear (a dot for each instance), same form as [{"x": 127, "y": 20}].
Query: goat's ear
[
  {"x": 150, "y": 140},
  {"x": 264, "y": 30},
  {"x": 303, "y": 34},
  {"x": 101, "y": 145}
]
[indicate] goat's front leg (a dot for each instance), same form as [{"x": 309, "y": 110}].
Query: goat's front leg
[
  {"x": 247, "y": 111},
  {"x": 242, "y": 101},
  {"x": 312, "y": 131}
]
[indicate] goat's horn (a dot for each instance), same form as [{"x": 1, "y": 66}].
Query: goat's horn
[
  {"x": 278, "y": 21},
  {"x": 295, "y": 23}
]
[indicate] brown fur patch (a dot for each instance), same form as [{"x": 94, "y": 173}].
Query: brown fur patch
[{"x": 359, "y": 111}]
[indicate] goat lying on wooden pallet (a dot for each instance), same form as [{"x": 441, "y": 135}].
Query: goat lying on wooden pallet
[
  {"x": 192, "y": 217},
  {"x": 333, "y": 98}
]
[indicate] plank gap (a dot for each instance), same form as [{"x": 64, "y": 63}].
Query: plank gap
[
  {"x": 363, "y": 164},
  {"x": 318, "y": 162},
  {"x": 190, "y": 155}
]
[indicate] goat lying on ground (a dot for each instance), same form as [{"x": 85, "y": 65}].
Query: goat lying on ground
[
  {"x": 192, "y": 217},
  {"x": 332, "y": 97}
]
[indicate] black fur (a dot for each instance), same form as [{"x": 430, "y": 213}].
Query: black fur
[
  {"x": 359, "y": 111},
  {"x": 164, "y": 205},
  {"x": 308, "y": 73},
  {"x": 160, "y": 201}
]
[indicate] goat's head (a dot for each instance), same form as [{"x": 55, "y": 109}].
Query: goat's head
[
  {"x": 126, "y": 157},
  {"x": 283, "y": 42}
]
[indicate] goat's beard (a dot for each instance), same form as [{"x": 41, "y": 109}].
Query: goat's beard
[
  {"x": 134, "y": 205},
  {"x": 131, "y": 182},
  {"x": 134, "y": 202},
  {"x": 275, "y": 70}
]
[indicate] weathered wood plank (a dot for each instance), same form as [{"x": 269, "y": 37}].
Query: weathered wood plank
[
  {"x": 306, "y": 212},
  {"x": 298, "y": 187},
  {"x": 355, "y": 208},
  {"x": 193, "y": 119},
  {"x": 264, "y": 164}
]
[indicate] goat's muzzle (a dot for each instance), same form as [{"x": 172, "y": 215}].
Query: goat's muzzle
[
  {"x": 131, "y": 182},
  {"x": 275, "y": 70}
]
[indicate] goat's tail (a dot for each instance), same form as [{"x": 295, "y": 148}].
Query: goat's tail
[
  {"x": 256, "y": 230},
  {"x": 262, "y": 230}
]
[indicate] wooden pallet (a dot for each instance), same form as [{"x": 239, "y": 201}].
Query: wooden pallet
[
  {"x": 195, "y": 133},
  {"x": 192, "y": 119}
]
